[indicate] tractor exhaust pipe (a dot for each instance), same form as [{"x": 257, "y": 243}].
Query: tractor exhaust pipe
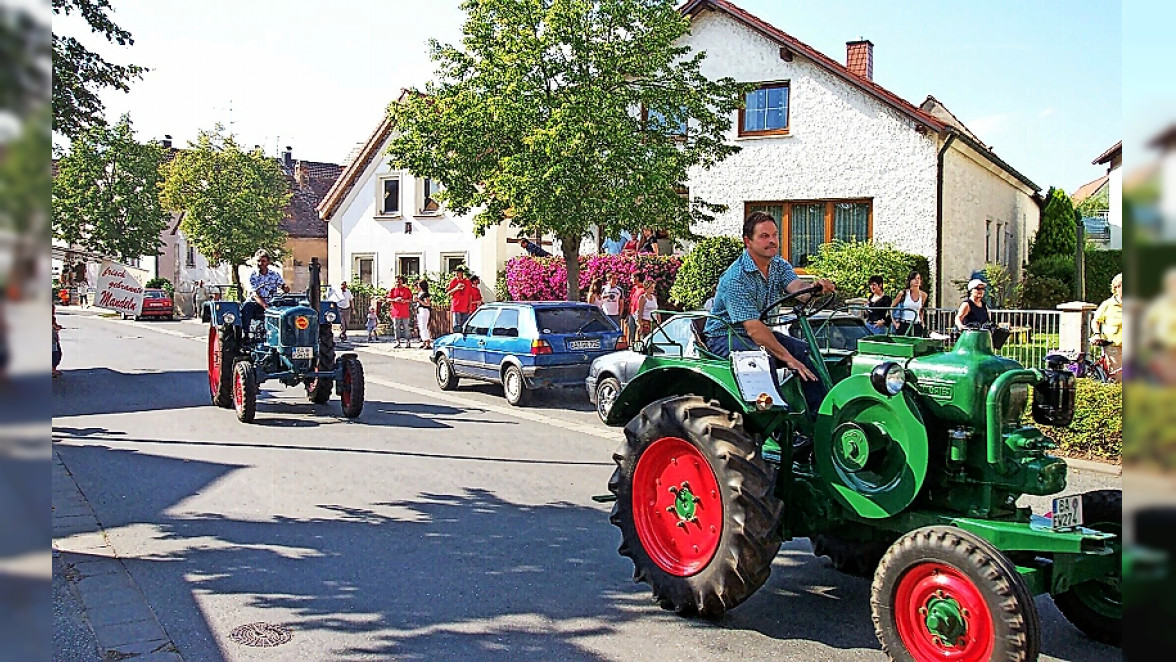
[{"x": 314, "y": 290}]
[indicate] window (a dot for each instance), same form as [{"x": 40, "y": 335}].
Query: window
[
  {"x": 388, "y": 196},
  {"x": 765, "y": 111},
  {"x": 191, "y": 261},
  {"x": 507, "y": 324},
  {"x": 451, "y": 261},
  {"x": 408, "y": 266},
  {"x": 656, "y": 121},
  {"x": 579, "y": 319},
  {"x": 427, "y": 203},
  {"x": 805, "y": 225},
  {"x": 364, "y": 267},
  {"x": 479, "y": 324},
  {"x": 675, "y": 338}
]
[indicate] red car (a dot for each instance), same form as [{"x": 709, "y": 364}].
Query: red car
[{"x": 157, "y": 303}]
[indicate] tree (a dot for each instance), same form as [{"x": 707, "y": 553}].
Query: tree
[
  {"x": 106, "y": 193},
  {"x": 79, "y": 73},
  {"x": 25, "y": 51},
  {"x": 1058, "y": 233},
  {"x": 1095, "y": 204},
  {"x": 233, "y": 201},
  {"x": 563, "y": 116}
]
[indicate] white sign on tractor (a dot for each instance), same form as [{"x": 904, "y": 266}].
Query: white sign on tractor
[{"x": 118, "y": 289}]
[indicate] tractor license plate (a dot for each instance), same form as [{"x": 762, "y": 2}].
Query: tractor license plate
[
  {"x": 1067, "y": 512},
  {"x": 594, "y": 343},
  {"x": 304, "y": 352}
]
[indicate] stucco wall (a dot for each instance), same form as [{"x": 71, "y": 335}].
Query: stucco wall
[
  {"x": 974, "y": 191},
  {"x": 296, "y": 265},
  {"x": 842, "y": 144}
]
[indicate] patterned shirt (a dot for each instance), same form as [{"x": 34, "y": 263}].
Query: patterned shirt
[
  {"x": 743, "y": 292},
  {"x": 265, "y": 285}
]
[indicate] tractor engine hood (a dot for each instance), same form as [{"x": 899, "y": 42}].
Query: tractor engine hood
[{"x": 294, "y": 326}]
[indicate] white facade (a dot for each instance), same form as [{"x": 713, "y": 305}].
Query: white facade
[{"x": 1115, "y": 213}]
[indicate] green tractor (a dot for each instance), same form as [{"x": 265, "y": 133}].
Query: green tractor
[{"x": 909, "y": 473}]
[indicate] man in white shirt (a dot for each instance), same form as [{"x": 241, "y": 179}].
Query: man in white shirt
[
  {"x": 612, "y": 296},
  {"x": 342, "y": 298}
]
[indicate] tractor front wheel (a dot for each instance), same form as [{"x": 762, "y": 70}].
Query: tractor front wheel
[
  {"x": 318, "y": 390},
  {"x": 694, "y": 505},
  {"x": 942, "y": 593},
  {"x": 352, "y": 393},
  {"x": 1096, "y": 607},
  {"x": 245, "y": 391},
  {"x": 221, "y": 352}
]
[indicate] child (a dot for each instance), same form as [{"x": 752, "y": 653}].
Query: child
[{"x": 373, "y": 320}]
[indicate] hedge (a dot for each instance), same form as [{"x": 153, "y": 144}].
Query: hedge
[
  {"x": 699, "y": 275},
  {"x": 545, "y": 278},
  {"x": 1097, "y": 429},
  {"x": 850, "y": 264},
  {"x": 1151, "y": 437},
  {"x": 1101, "y": 267}
]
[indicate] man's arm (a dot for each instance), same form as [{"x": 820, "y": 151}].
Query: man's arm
[
  {"x": 798, "y": 284},
  {"x": 763, "y": 336}
]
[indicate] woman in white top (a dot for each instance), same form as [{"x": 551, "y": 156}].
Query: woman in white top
[
  {"x": 908, "y": 307},
  {"x": 648, "y": 305}
]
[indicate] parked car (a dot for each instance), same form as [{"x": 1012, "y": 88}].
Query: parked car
[
  {"x": 835, "y": 329},
  {"x": 157, "y": 303},
  {"x": 609, "y": 373},
  {"x": 526, "y": 346}
]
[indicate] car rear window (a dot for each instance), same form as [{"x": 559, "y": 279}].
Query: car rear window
[
  {"x": 572, "y": 320},
  {"x": 155, "y": 295}
]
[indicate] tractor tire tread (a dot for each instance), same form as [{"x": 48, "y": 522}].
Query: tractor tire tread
[{"x": 1098, "y": 507}]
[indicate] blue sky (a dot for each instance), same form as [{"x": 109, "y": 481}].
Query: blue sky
[{"x": 1039, "y": 81}]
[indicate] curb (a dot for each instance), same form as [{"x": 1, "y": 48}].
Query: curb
[{"x": 1090, "y": 466}]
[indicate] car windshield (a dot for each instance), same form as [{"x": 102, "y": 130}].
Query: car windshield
[
  {"x": 839, "y": 333},
  {"x": 580, "y": 319}
]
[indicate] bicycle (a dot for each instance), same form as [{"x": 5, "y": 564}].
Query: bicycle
[{"x": 1100, "y": 369}]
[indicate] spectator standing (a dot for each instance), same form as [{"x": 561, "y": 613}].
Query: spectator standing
[
  {"x": 199, "y": 296},
  {"x": 908, "y": 312},
  {"x": 459, "y": 298},
  {"x": 373, "y": 320},
  {"x": 648, "y": 242},
  {"x": 400, "y": 300},
  {"x": 56, "y": 344},
  {"x": 878, "y": 317},
  {"x": 614, "y": 246},
  {"x": 532, "y": 248},
  {"x": 648, "y": 304},
  {"x": 343, "y": 299},
  {"x": 634, "y": 319},
  {"x": 424, "y": 304},
  {"x": 596, "y": 293},
  {"x": 1107, "y": 327},
  {"x": 632, "y": 244},
  {"x": 664, "y": 245},
  {"x": 612, "y": 299},
  {"x": 475, "y": 294}
]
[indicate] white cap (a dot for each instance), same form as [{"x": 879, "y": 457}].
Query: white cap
[{"x": 974, "y": 283}]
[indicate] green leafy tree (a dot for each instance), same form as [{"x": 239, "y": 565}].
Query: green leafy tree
[
  {"x": 25, "y": 51},
  {"x": 1095, "y": 204},
  {"x": 699, "y": 274},
  {"x": 233, "y": 201},
  {"x": 562, "y": 116},
  {"x": 106, "y": 193},
  {"x": 849, "y": 264},
  {"x": 25, "y": 178},
  {"x": 1058, "y": 233},
  {"x": 79, "y": 74}
]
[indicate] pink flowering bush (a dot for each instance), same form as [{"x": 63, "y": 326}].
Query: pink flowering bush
[{"x": 545, "y": 278}]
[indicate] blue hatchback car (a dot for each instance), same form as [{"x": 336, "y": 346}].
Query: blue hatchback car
[{"x": 526, "y": 345}]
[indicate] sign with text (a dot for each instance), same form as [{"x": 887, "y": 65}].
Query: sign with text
[{"x": 118, "y": 289}]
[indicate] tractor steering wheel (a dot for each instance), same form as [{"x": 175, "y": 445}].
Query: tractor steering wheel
[{"x": 807, "y": 308}]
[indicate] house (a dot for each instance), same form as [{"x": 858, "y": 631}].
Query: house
[
  {"x": 383, "y": 222},
  {"x": 831, "y": 154},
  {"x": 1165, "y": 142},
  {"x": 1105, "y": 229}
]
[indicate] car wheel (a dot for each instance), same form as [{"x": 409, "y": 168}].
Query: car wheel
[
  {"x": 514, "y": 386},
  {"x": 607, "y": 391},
  {"x": 445, "y": 377}
]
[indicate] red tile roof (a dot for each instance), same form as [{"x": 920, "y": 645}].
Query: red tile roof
[
  {"x": 1089, "y": 189},
  {"x": 317, "y": 178},
  {"x": 342, "y": 186},
  {"x": 1112, "y": 152}
]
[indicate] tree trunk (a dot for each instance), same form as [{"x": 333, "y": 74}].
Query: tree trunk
[{"x": 570, "y": 244}]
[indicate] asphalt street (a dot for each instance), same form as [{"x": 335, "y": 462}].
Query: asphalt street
[{"x": 437, "y": 526}]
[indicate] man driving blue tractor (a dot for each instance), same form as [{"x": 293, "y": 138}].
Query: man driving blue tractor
[{"x": 264, "y": 285}]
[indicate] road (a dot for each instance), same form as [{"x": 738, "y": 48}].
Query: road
[{"x": 438, "y": 526}]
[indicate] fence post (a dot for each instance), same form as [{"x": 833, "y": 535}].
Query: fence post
[{"x": 1073, "y": 330}]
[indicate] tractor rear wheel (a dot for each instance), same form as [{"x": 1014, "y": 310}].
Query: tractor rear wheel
[
  {"x": 695, "y": 506},
  {"x": 222, "y": 349},
  {"x": 244, "y": 391},
  {"x": 318, "y": 391},
  {"x": 942, "y": 593},
  {"x": 352, "y": 396},
  {"x": 1096, "y": 607}
]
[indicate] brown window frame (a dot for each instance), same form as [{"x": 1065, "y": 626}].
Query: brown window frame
[
  {"x": 787, "y": 115},
  {"x": 785, "y": 229}
]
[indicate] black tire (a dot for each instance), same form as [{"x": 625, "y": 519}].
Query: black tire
[
  {"x": 740, "y": 497},
  {"x": 853, "y": 557},
  {"x": 352, "y": 396},
  {"x": 970, "y": 571},
  {"x": 607, "y": 390},
  {"x": 222, "y": 351},
  {"x": 446, "y": 378},
  {"x": 1096, "y": 607},
  {"x": 244, "y": 391},
  {"x": 318, "y": 391},
  {"x": 514, "y": 386}
]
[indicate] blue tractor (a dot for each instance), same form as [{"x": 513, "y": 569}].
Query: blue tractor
[{"x": 293, "y": 344}]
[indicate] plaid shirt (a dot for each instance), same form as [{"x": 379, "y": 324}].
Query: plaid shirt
[
  {"x": 743, "y": 292},
  {"x": 265, "y": 285}
]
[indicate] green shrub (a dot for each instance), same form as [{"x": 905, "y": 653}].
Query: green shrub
[
  {"x": 701, "y": 268},
  {"x": 1151, "y": 437},
  {"x": 1041, "y": 293},
  {"x": 1001, "y": 292},
  {"x": 1101, "y": 267},
  {"x": 1058, "y": 232},
  {"x": 850, "y": 264},
  {"x": 161, "y": 284},
  {"x": 1097, "y": 429},
  {"x": 501, "y": 291}
]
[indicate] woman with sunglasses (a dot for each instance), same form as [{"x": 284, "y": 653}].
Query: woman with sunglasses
[{"x": 973, "y": 312}]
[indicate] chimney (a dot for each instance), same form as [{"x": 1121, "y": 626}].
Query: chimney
[
  {"x": 166, "y": 142},
  {"x": 288, "y": 156},
  {"x": 301, "y": 174},
  {"x": 859, "y": 58}
]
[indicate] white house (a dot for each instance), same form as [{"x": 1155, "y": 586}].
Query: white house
[
  {"x": 1113, "y": 159},
  {"x": 383, "y": 222},
  {"x": 832, "y": 154}
]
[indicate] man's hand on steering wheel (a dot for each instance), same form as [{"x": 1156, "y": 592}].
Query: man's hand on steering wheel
[{"x": 805, "y": 301}]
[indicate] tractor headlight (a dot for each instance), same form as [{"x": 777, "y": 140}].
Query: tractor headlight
[
  {"x": 888, "y": 378},
  {"x": 230, "y": 318},
  {"x": 330, "y": 316}
]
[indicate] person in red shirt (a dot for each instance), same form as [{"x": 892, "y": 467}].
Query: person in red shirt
[
  {"x": 475, "y": 294},
  {"x": 459, "y": 297},
  {"x": 400, "y": 300},
  {"x": 634, "y": 318}
]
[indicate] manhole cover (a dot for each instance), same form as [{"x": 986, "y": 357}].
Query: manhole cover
[{"x": 261, "y": 635}]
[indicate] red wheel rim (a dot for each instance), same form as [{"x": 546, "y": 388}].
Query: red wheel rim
[
  {"x": 214, "y": 363},
  {"x": 935, "y": 602},
  {"x": 238, "y": 390},
  {"x": 677, "y": 507},
  {"x": 345, "y": 396}
]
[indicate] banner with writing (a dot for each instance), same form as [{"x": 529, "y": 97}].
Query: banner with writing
[{"x": 118, "y": 289}]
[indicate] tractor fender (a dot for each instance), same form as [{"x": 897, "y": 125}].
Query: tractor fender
[
  {"x": 214, "y": 313},
  {"x": 661, "y": 382}
]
